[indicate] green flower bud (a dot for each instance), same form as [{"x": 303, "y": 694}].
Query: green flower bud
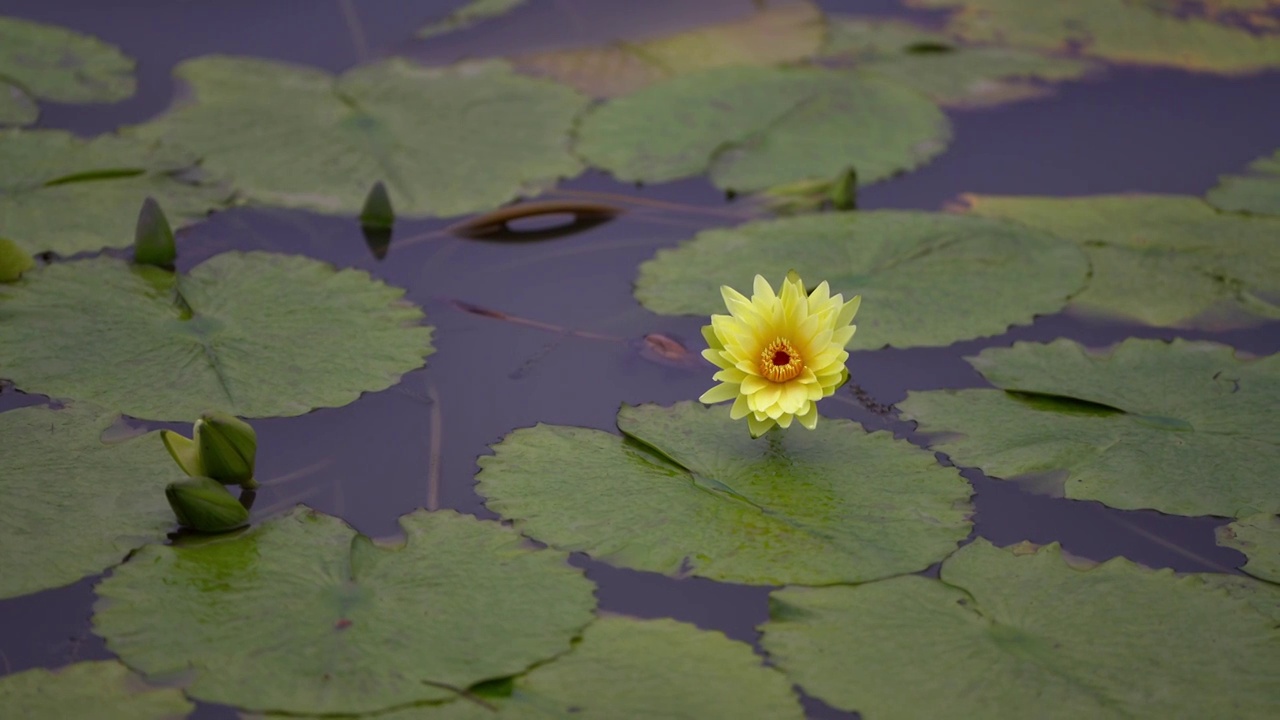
[
  {"x": 184, "y": 452},
  {"x": 204, "y": 505},
  {"x": 227, "y": 447},
  {"x": 153, "y": 238}
]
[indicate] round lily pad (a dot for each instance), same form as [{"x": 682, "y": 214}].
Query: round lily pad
[
  {"x": 253, "y": 334},
  {"x": 444, "y": 141},
  {"x": 301, "y": 615},
  {"x": 1161, "y": 260},
  {"x": 103, "y": 690},
  {"x": 1257, "y": 193},
  {"x": 688, "y": 492},
  {"x": 1125, "y": 31},
  {"x": 63, "y": 194},
  {"x": 46, "y": 62},
  {"x": 1019, "y": 633},
  {"x": 1258, "y": 537},
  {"x": 757, "y": 127},
  {"x": 775, "y": 34},
  {"x": 74, "y": 506},
  {"x": 925, "y": 278},
  {"x": 1182, "y": 427}
]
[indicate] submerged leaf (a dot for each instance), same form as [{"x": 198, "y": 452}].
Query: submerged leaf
[
  {"x": 472, "y": 12},
  {"x": 925, "y": 278},
  {"x": 1016, "y": 635},
  {"x": 74, "y": 506},
  {"x": 756, "y": 127},
  {"x": 103, "y": 690},
  {"x": 252, "y": 334},
  {"x": 1191, "y": 435},
  {"x": 301, "y": 615},
  {"x": 688, "y": 492},
  {"x": 499, "y": 221},
  {"x": 52, "y": 63},
  {"x": 446, "y": 141},
  {"x": 1257, "y": 193}
]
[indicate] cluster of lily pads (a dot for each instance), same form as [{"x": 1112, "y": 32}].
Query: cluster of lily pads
[{"x": 300, "y": 615}]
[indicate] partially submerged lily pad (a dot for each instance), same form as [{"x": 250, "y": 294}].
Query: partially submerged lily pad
[
  {"x": 46, "y": 62},
  {"x": 253, "y": 334},
  {"x": 925, "y": 278},
  {"x": 63, "y": 194},
  {"x": 1125, "y": 31},
  {"x": 445, "y": 141},
  {"x": 1181, "y": 427},
  {"x": 470, "y": 13},
  {"x": 1258, "y": 537},
  {"x": 688, "y": 492},
  {"x": 1018, "y": 633},
  {"x": 1257, "y": 193},
  {"x": 777, "y": 33},
  {"x": 755, "y": 127},
  {"x": 947, "y": 71},
  {"x": 1163, "y": 260},
  {"x": 103, "y": 690},
  {"x": 302, "y": 615},
  {"x": 73, "y": 506}
]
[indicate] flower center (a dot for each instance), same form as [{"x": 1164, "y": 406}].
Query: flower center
[{"x": 779, "y": 361}]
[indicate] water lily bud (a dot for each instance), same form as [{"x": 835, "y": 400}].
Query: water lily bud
[
  {"x": 184, "y": 452},
  {"x": 204, "y": 505},
  {"x": 844, "y": 191},
  {"x": 153, "y": 238},
  {"x": 13, "y": 260},
  {"x": 227, "y": 447},
  {"x": 377, "y": 212}
]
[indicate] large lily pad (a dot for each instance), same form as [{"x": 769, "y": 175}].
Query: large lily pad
[
  {"x": 74, "y": 506},
  {"x": 756, "y": 127},
  {"x": 1162, "y": 260},
  {"x": 1258, "y": 537},
  {"x": 101, "y": 690},
  {"x": 687, "y": 491},
  {"x": 445, "y": 141},
  {"x": 631, "y": 668},
  {"x": 470, "y": 13},
  {"x": 1020, "y": 633},
  {"x": 938, "y": 66},
  {"x": 1182, "y": 427},
  {"x": 1257, "y": 193},
  {"x": 301, "y": 615},
  {"x": 254, "y": 334},
  {"x": 778, "y": 33},
  {"x": 46, "y": 62},
  {"x": 925, "y": 278},
  {"x": 1127, "y": 31},
  {"x": 67, "y": 195}
]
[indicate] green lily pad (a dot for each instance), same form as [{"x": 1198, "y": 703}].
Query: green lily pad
[
  {"x": 925, "y": 278},
  {"x": 302, "y": 615},
  {"x": 755, "y": 127},
  {"x": 445, "y": 141},
  {"x": 687, "y": 491},
  {"x": 1125, "y": 31},
  {"x": 103, "y": 690},
  {"x": 1182, "y": 427},
  {"x": 1257, "y": 193},
  {"x": 63, "y": 194},
  {"x": 1258, "y": 537},
  {"x": 1020, "y": 633},
  {"x": 252, "y": 334},
  {"x": 948, "y": 72},
  {"x": 74, "y": 506},
  {"x": 625, "y": 667},
  {"x": 472, "y": 12},
  {"x": 46, "y": 62},
  {"x": 775, "y": 34},
  {"x": 1162, "y": 260}
]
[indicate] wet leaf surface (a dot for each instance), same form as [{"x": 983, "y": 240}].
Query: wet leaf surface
[
  {"x": 1180, "y": 427},
  {"x": 103, "y": 690},
  {"x": 302, "y": 615},
  {"x": 1019, "y": 632}
]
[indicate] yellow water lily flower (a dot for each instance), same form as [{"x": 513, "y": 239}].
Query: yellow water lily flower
[{"x": 779, "y": 354}]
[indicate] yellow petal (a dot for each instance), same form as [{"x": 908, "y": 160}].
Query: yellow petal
[
  {"x": 848, "y": 311},
  {"x": 739, "y": 409},
  {"x": 753, "y": 384},
  {"x": 720, "y": 393},
  {"x": 758, "y": 427},
  {"x": 784, "y": 421},
  {"x": 761, "y": 289},
  {"x": 733, "y": 375},
  {"x": 809, "y": 419},
  {"x": 709, "y": 334},
  {"x": 766, "y": 396}
]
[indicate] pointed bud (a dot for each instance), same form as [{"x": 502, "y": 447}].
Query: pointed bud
[
  {"x": 377, "y": 212},
  {"x": 227, "y": 447},
  {"x": 844, "y": 191},
  {"x": 184, "y": 452},
  {"x": 204, "y": 505},
  {"x": 153, "y": 239},
  {"x": 13, "y": 260}
]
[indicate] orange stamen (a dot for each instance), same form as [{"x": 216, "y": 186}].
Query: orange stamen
[{"x": 780, "y": 361}]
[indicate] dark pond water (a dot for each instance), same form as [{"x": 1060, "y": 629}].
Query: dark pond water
[{"x": 372, "y": 461}]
